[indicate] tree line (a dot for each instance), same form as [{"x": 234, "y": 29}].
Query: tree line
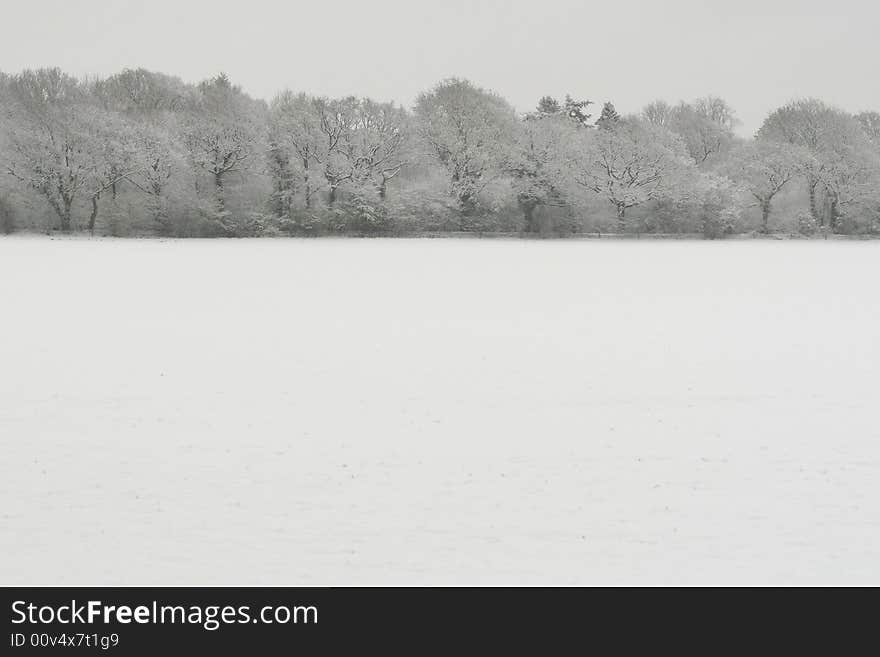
[{"x": 144, "y": 153}]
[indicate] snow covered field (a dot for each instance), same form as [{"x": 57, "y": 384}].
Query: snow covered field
[{"x": 439, "y": 412}]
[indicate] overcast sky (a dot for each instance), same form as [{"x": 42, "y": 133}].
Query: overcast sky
[{"x": 757, "y": 54}]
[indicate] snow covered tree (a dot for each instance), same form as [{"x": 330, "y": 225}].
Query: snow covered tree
[
  {"x": 763, "y": 169},
  {"x": 142, "y": 92},
  {"x": 364, "y": 143},
  {"x": 111, "y": 146},
  {"x": 870, "y": 122},
  {"x": 147, "y": 103},
  {"x": 716, "y": 201},
  {"x": 706, "y": 127},
  {"x": 220, "y": 133},
  {"x": 576, "y": 110},
  {"x": 50, "y": 141},
  {"x": 609, "y": 117},
  {"x": 849, "y": 172},
  {"x": 153, "y": 159},
  {"x": 804, "y": 123},
  {"x": 374, "y": 143},
  {"x": 469, "y": 131},
  {"x": 321, "y": 144},
  {"x": 336, "y": 118},
  {"x": 658, "y": 113},
  {"x": 631, "y": 164},
  {"x": 296, "y": 134},
  {"x": 537, "y": 163},
  {"x": 548, "y": 106},
  {"x": 842, "y": 167}
]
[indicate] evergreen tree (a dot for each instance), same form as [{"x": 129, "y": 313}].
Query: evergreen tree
[
  {"x": 548, "y": 106},
  {"x": 575, "y": 109},
  {"x": 609, "y": 117}
]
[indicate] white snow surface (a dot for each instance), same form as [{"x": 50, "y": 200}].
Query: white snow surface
[{"x": 341, "y": 411}]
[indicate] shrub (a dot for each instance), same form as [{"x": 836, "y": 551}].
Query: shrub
[
  {"x": 362, "y": 214},
  {"x": 806, "y": 223},
  {"x": 718, "y": 222}
]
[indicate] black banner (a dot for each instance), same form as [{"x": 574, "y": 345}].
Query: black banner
[{"x": 135, "y": 621}]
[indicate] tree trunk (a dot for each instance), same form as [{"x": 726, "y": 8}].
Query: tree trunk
[
  {"x": 162, "y": 222},
  {"x": 308, "y": 185},
  {"x": 65, "y": 214},
  {"x": 621, "y": 217},
  {"x": 468, "y": 207},
  {"x": 283, "y": 199},
  {"x": 528, "y": 207},
  {"x": 812, "y": 185},
  {"x": 218, "y": 188},
  {"x": 765, "y": 216},
  {"x": 94, "y": 214},
  {"x": 833, "y": 212}
]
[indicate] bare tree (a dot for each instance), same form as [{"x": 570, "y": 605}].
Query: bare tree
[{"x": 658, "y": 113}]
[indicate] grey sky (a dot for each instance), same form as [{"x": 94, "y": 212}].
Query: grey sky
[{"x": 757, "y": 54}]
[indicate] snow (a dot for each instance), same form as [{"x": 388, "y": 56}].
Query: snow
[{"x": 298, "y": 412}]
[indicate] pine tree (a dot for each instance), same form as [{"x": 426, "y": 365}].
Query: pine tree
[
  {"x": 548, "y": 106},
  {"x": 575, "y": 109},
  {"x": 609, "y": 117}
]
